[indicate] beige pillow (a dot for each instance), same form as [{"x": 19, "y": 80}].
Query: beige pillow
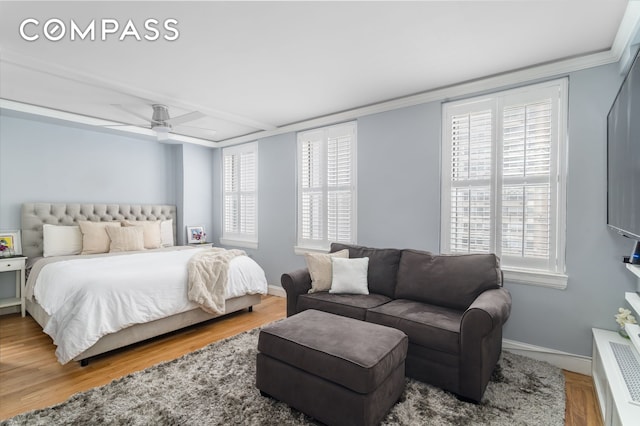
[
  {"x": 151, "y": 228},
  {"x": 319, "y": 265},
  {"x": 94, "y": 236},
  {"x": 126, "y": 239}
]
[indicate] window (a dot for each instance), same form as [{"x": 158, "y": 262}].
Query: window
[
  {"x": 240, "y": 184},
  {"x": 503, "y": 184},
  {"x": 327, "y": 186}
]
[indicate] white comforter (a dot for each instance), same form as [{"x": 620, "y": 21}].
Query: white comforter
[{"x": 89, "y": 298}]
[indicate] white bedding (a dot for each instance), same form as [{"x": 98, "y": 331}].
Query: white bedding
[{"x": 91, "y": 297}]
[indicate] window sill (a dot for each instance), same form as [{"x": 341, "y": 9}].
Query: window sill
[
  {"x": 535, "y": 278},
  {"x": 239, "y": 243},
  {"x": 302, "y": 250}
]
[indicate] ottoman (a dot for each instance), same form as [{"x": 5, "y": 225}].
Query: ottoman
[{"x": 338, "y": 370}]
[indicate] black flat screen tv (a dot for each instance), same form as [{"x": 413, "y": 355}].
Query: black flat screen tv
[{"x": 623, "y": 157}]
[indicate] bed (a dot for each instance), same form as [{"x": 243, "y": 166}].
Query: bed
[{"x": 53, "y": 274}]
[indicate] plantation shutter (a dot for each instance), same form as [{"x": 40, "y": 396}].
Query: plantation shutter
[
  {"x": 503, "y": 180},
  {"x": 326, "y": 194},
  {"x": 526, "y": 190},
  {"x": 471, "y": 211},
  {"x": 240, "y": 193}
]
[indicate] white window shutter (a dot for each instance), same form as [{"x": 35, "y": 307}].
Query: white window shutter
[
  {"x": 240, "y": 183},
  {"x": 326, "y": 186}
]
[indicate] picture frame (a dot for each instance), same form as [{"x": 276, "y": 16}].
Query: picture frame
[
  {"x": 10, "y": 243},
  {"x": 196, "y": 235}
]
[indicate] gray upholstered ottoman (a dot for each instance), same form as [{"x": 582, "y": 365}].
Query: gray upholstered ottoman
[{"x": 339, "y": 370}]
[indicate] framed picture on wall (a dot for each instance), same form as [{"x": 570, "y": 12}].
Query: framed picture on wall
[
  {"x": 10, "y": 244},
  {"x": 196, "y": 235}
]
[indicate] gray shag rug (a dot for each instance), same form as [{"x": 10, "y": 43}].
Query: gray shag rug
[{"x": 216, "y": 386}]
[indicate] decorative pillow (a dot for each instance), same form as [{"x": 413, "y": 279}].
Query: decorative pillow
[
  {"x": 94, "y": 236},
  {"x": 319, "y": 265},
  {"x": 151, "y": 228},
  {"x": 60, "y": 240},
  {"x": 350, "y": 276},
  {"x": 166, "y": 233},
  {"x": 130, "y": 238}
]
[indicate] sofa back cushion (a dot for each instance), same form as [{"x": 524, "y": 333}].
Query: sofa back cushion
[
  {"x": 453, "y": 281},
  {"x": 383, "y": 266}
]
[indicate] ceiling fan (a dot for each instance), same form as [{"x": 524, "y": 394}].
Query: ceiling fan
[{"x": 161, "y": 122}]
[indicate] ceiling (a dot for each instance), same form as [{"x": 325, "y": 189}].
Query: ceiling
[{"x": 258, "y": 68}]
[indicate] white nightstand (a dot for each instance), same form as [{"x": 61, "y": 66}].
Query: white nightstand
[
  {"x": 17, "y": 264},
  {"x": 201, "y": 245}
]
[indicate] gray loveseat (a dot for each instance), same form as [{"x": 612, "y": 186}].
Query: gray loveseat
[{"x": 452, "y": 308}]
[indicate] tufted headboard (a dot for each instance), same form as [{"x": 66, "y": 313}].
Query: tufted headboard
[{"x": 34, "y": 215}]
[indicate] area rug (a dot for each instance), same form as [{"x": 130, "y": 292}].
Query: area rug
[{"x": 216, "y": 386}]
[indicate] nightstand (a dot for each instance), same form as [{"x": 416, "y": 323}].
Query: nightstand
[
  {"x": 201, "y": 245},
  {"x": 17, "y": 264}
]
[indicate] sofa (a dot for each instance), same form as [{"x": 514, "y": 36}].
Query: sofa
[{"x": 452, "y": 308}]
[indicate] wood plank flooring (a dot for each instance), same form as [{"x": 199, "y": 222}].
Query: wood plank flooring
[{"x": 31, "y": 377}]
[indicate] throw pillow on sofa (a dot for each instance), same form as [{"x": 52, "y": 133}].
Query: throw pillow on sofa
[
  {"x": 319, "y": 265},
  {"x": 350, "y": 276}
]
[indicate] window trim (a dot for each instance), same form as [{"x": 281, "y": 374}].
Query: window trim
[
  {"x": 304, "y": 246},
  {"x": 556, "y": 278},
  {"x": 239, "y": 239}
]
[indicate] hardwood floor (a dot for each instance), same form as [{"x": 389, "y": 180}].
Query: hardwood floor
[{"x": 31, "y": 377}]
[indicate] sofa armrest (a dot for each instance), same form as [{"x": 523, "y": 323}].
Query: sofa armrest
[
  {"x": 481, "y": 340},
  {"x": 495, "y": 303},
  {"x": 295, "y": 283}
]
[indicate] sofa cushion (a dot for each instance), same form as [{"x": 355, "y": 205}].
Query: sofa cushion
[
  {"x": 353, "y": 354},
  {"x": 427, "y": 325},
  {"x": 383, "y": 266},
  {"x": 452, "y": 281},
  {"x": 347, "y": 305}
]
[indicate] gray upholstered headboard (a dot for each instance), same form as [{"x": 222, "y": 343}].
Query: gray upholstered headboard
[{"x": 34, "y": 215}]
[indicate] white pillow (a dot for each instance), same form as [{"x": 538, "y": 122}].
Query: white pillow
[
  {"x": 350, "y": 275},
  {"x": 60, "y": 240},
  {"x": 166, "y": 233}
]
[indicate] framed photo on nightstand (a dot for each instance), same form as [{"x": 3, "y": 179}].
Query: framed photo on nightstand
[
  {"x": 196, "y": 235},
  {"x": 10, "y": 244}
]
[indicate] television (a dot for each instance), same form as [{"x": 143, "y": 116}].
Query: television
[{"x": 623, "y": 160}]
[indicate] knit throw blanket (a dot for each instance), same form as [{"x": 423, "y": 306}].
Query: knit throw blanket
[{"x": 208, "y": 271}]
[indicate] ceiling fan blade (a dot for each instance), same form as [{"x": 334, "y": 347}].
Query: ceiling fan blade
[
  {"x": 135, "y": 114},
  {"x": 184, "y": 126},
  {"x": 144, "y": 126},
  {"x": 185, "y": 117}
]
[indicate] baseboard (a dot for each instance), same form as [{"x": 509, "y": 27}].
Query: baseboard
[
  {"x": 566, "y": 361},
  {"x": 276, "y": 290},
  {"x": 10, "y": 310}
]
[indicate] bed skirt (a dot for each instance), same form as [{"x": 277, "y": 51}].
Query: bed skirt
[{"x": 139, "y": 332}]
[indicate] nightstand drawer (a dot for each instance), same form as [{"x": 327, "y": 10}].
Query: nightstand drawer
[{"x": 11, "y": 264}]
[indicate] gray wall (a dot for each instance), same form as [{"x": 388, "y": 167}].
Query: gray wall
[{"x": 197, "y": 200}]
